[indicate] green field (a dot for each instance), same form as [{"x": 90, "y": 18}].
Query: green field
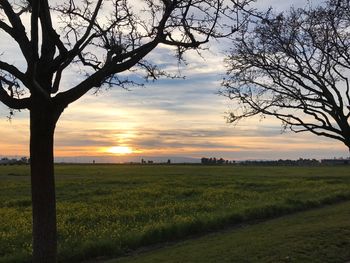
[
  {"x": 107, "y": 210},
  {"x": 318, "y": 236}
]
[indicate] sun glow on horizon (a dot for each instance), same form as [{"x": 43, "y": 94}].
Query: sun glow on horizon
[{"x": 119, "y": 150}]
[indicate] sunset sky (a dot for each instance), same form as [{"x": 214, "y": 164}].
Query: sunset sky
[{"x": 166, "y": 118}]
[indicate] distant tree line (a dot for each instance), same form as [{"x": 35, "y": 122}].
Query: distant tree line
[
  {"x": 13, "y": 161},
  {"x": 280, "y": 162},
  {"x": 214, "y": 160},
  {"x": 143, "y": 161},
  {"x": 299, "y": 162}
]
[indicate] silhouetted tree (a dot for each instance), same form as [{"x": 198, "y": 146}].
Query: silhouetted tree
[
  {"x": 204, "y": 160},
  {"x": 104, "y": 38},
  {"x": 294, "y": 66},
  {"x": 221, "y": 161}
]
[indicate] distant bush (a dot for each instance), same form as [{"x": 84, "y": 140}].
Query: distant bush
[{"x": 13, "y": 161}]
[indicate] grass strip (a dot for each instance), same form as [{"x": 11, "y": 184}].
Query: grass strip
[{"x": 316, "y": 236}]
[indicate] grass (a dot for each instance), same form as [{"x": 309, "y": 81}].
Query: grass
[
  {"x": 316, "y": 236},
  {"x": 107, "y": 210}
]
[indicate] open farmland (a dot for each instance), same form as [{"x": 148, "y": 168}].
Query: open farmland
[{"x": 105, "y": 210}]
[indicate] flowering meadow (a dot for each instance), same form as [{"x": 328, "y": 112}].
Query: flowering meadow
[{"x": 108, "y": 210}]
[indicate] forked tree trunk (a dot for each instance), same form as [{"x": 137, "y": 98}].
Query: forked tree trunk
[{"x": 42, "y": 126}]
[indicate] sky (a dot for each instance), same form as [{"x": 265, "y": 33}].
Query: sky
[{"x": 178, "y": 119}]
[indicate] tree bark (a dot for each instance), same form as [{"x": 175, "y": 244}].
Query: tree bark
[{"x": 42, "y": 126}]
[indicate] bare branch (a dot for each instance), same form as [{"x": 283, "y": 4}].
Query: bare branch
[
  {"x": 19, "y": 32},
  {"x": 97, "y": 79},
  {"x": 13, "y": 71},
  {"x": 294, "y": 66},
  {"x": 6, "y": 28},
  {"x": 10, "y": 101}
]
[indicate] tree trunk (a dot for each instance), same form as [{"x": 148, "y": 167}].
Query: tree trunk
[{"x": 42, "y": 126}]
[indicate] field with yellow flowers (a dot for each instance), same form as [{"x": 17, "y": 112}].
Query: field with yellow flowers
[{"x": 108, "y": 210}]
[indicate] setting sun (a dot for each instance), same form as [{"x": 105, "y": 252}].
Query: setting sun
[{"x": 120, "y": 150}]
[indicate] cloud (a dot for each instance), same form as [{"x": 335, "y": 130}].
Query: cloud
[{"x": 280, "y": 6}]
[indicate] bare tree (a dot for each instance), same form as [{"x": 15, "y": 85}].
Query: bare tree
[
  {"x": 103, "y": 37},
  {"x": 294, "y": 66}
]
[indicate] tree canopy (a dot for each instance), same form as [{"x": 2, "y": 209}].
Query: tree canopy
[
  {"x": 294, "y": 66},
  {"x": 104, "y": 37}
]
